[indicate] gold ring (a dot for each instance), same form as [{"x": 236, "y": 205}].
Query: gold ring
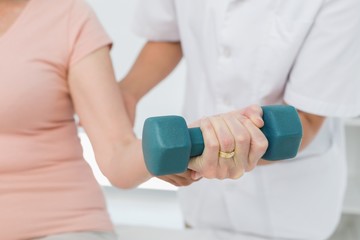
[{"x": 226, "y": 154}]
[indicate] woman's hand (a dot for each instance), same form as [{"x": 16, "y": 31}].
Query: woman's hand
[
  {"x": 182, "y": 179},
  {"x": 235, "y": 133}
]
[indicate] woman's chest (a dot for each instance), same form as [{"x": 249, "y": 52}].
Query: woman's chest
[{"x": 34, "y": 92}]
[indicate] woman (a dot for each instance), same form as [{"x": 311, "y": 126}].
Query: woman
[{"x": 54, "y": 61}]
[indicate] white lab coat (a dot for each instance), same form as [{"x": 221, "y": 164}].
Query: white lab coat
[{"x": 240, "y": 52}]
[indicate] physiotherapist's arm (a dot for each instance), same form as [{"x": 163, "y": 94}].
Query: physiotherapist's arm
[
  {"x": 311, "y": 125},
  {"x": 154, "y": 63},
  {"x": 245, "y": 137}
]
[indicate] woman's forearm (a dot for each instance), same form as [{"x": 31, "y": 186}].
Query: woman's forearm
[
  {"x": 154, "y": 63},
  {"x": 129, "y": 170},
  {"x": 98, "y": 103}
]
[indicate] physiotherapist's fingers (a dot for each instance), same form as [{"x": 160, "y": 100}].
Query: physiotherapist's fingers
[
  {"x": 227, "y": 145},
  {"x": 206, "y": 164},
  {"x": 195, "y": 124},
  {"x": 258, "y": 144},
  {"x": 254, "y": 113},
  {"x": 242, "y": 144},
  {"x": 236, "y": 131}
]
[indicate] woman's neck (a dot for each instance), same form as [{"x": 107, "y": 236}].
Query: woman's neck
[{"x": 10, "y": 10}]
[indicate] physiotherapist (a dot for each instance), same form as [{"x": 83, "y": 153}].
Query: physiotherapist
[{"x": 304, "y": 53}]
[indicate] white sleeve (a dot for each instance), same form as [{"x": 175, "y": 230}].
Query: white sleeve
[
  {"x": 325, "y": 79},
  {"x": 156, "y": 20}
]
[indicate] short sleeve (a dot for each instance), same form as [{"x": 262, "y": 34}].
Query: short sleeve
[
  {"x": 156, "y": 20},
  {"x": 86, "y": 34},
  {"x": 325, "y": 79}
]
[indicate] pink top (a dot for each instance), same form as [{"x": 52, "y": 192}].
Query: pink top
[{"x": 46, "y": 186}]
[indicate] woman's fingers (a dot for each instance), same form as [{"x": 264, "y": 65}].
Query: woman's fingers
[
  {"x": 206, "y": 164},
  {"x": 180, "y": 180}
]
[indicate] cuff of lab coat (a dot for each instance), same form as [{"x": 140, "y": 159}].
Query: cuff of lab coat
[
  {"x": 157, "y": 35},
  {"x": 319, "y": 107}
]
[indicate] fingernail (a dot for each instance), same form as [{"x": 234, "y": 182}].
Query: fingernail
[{"x": 260, "y": 121}]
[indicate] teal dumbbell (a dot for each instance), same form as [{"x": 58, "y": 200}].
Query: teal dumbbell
[{"x": 168, "y": 144}]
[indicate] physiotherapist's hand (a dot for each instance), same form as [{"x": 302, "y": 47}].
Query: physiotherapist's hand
[
  {"x": 130, "y": 103},
  {"x": 180, "y": 180},
  {"x": 238, "y": 132}
]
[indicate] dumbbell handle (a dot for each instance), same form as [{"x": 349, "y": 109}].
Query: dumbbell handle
[
  {"x": 197, "y": 142},
  {"x": 269, "y": 130}
]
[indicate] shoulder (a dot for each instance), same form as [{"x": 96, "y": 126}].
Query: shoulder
[
  {"x": 77, "y": 7},
  {"x": 63, "y": 7}
]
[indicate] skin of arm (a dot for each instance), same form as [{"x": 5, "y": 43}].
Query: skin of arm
[
  {"x": 102, "y": 113},
  {"x": 154, "y": 63},
  {"x": 311, "y": 124}
]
